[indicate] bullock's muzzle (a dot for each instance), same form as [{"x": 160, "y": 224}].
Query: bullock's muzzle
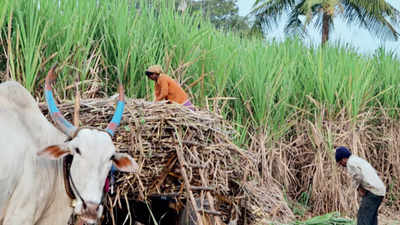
[{"x": 90, "y": 213}]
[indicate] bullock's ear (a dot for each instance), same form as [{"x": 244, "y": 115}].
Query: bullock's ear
[
  {"x": 124, "y": 162},
  {"x": 53, "y": 152}
]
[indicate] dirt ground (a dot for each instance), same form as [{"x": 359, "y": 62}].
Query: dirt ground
[
  {"x": 388, "y": 217},
  {"x": 383, "y": 220}
]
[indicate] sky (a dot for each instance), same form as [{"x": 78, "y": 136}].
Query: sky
[{"x": 359, "y": 38}]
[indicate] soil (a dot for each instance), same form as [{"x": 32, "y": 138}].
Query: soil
[{"x": 383, "y": 220}]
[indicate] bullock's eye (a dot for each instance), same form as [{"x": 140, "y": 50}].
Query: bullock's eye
[{"x": 78, "y": 151}]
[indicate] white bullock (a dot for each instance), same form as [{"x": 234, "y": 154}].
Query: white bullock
[{"x": 33, "y": 180}]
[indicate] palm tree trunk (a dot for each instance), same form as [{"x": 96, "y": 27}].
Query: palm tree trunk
[{"x": 326, "y": 20}]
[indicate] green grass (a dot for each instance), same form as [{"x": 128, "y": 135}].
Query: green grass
[
  {"x": 270, "y": 82},
  {"x": 327, "y": 219}
]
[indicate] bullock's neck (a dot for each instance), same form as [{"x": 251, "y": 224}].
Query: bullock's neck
[
  {"x": 60, "y": 208},
  {"x": 62, "y": 200}
]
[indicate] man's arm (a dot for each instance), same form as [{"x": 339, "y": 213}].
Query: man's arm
[
  {"x": 355, "y": 173},
  {"x": 361, "y": 191}
]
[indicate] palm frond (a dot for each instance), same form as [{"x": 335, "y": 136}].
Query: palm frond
[
  {"x": 294, "y": 25},
  {"x": 269, "y": 12},
  {"x": 377, "y": 16}
]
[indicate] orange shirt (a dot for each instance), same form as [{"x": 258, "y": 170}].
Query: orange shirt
[{"x": 168, "y": 89}]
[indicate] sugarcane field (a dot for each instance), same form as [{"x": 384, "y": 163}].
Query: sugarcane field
[{"x": 199, "y": 112}]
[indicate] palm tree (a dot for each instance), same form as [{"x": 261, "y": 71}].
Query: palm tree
[{"x": 377, "y": 16}]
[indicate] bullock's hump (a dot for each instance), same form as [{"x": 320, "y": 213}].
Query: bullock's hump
[{"x": 13, "y": 93}]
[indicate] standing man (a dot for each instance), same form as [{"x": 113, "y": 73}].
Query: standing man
[
  {"x": 370, "y": 187},
  {"x": 166, "y": 88}
]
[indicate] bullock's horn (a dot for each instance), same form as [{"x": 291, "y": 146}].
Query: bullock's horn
[
  {"x": 114, "y": 123},
  {"x": 56, "y": 115}
]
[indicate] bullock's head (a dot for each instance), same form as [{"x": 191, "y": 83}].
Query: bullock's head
[{"x": 93, "y": 156}]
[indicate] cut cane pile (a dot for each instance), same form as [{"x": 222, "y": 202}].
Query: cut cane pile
[{"x": 187, "y": 154}]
